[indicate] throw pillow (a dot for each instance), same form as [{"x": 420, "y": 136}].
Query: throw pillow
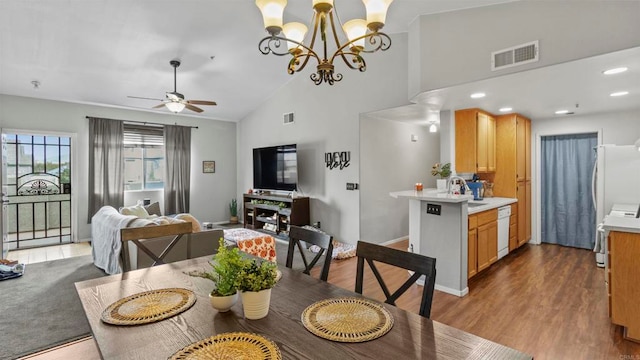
[
  {"x": 195, "y": 224},
  {"x": 264, "y": 247},
  {"x": 153, "y": 209},
  {"x": 136, "y": 210}
]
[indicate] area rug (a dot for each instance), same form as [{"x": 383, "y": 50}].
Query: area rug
[{"x": 41, "y": 309}]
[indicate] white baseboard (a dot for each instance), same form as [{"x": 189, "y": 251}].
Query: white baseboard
[
  {"x": 458, "y": 293},
  {"x": 393, "y": 241}
]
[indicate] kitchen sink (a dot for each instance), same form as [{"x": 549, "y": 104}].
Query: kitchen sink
[{"x": 476, "y": 204}]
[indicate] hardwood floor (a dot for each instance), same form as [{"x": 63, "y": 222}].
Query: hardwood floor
[{"x": 546, "y": 300}]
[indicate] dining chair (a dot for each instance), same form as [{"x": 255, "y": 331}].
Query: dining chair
[
  {"x": 419, "y": 264},
  {"x": 314, "y": 237}
]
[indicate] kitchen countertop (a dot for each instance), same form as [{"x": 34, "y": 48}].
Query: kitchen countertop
[
  {"x": 431, "y": 195},
  {"x": 623, "y": 224},
  {"x": 490, "y": 203}
]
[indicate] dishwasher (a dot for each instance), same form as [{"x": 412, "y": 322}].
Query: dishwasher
[{"x": 503, "y": 230}]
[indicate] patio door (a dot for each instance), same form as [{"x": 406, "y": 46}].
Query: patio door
[
  {"x": 37, "y": 181},
  {"x": 4, "y": 200}
]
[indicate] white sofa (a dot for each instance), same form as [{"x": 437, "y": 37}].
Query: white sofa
[{"x": 107, "y": 245}]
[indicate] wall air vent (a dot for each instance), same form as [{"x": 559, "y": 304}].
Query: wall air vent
[
  {"x": 514, "y": 56},
  {"x": 287, "y": 118}
]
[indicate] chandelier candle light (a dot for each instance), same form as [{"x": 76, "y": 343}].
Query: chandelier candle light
[{"x": 356, "y": 32}]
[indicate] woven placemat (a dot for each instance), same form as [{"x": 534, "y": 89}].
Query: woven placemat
[
  {"x": 237, "y": 346},
  {"x": 149, "y": 306},
  {"x": 347, "y": 319}
]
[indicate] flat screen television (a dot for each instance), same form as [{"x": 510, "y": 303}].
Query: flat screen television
[{"x": 275, "y": 168}]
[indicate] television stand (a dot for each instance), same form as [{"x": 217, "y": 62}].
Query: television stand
[{"x": 272, "y": 214}]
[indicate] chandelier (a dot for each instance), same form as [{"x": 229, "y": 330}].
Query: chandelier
[{"x": 356, "y": 32}]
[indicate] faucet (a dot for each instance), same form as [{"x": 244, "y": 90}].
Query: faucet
[{"x": 455, "y": 177}]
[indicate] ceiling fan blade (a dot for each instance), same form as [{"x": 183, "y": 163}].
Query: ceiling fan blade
[
  {"x": 193, "y": 108},
  {"x": 201, "y": 102},
  {"x": 158, "y": 106},
  {"x": 143, "y": 98}
]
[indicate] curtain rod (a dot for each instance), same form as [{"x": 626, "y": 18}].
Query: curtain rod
[{"x": 141, "y": 122}]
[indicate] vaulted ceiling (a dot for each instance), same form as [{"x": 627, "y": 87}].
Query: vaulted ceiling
[{"x": 102, "y": 51}]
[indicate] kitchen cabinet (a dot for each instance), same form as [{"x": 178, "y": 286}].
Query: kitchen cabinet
[
  {"x": 472, "y": 259},
  {"x": 623, "y": 277},
  {"x": 513, "y": 227},
  {"x": 475, "y": 141},
  {"x": 512, "y": 177},
  {"x": 483, "y": 241}
]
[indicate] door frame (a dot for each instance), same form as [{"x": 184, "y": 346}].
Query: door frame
[
  {"x": 74, "y": 167},
  {"x": 537, "y": 190}
]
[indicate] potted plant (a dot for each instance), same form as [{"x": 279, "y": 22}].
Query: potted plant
[
  {"x": 225, "y": 266},
  {"x": 233, "y": 210},
  {"x": 254, "y": 281},
  {"x": 444, "y": 171}
]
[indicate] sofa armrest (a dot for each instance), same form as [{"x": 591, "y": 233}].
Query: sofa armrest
[{"x": 204, "y": 242}]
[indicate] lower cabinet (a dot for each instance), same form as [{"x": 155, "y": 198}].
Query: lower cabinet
[
  {"x": 622, "y": 279},
  {"x": 487, "y": 245},
  {"x": 472, "y": 259},
  {"x": 513, "y": 228},
  {"x": 482, "y": 241}
]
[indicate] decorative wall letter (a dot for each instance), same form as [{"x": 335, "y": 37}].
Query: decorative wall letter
[{"x": 337, "y": 159}]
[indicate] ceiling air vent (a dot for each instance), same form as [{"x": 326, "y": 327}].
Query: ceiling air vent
[
  {"x": 288, "y": 118},
  {"x": 513, "y": 56}
]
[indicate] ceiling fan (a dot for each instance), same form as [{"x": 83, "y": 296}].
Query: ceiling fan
[{"x": 175, "y": 101}]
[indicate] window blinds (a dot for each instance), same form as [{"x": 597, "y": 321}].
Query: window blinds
[{"x": 143, "y": 135}]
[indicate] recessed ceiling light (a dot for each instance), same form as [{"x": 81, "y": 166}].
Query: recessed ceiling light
[
  {"x": 619, "y": 93},
  {"x": 615, "y": 71},
  {"x": 562, "y": 112},
  {"x": 478, "y": 95},
  {"x": 505, "y": 109}
]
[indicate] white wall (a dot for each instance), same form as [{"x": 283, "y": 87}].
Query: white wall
[
  {"x": 326, "y": 120},
  {"x": 214, "y": 140},
  {"x": 621, "y": 128},
  {"x": 455, "y": 47},
  {"x": 390, "y": 161}
]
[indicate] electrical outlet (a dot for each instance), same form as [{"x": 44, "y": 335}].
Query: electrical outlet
[
  {"x": 434, "y": 209},
  {"x": 316, "y": 224}
]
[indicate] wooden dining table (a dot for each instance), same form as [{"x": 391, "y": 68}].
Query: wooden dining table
[{"x": 411, "y": 337}]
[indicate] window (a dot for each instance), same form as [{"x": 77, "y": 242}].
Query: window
[{"x": 143, "y": 157}]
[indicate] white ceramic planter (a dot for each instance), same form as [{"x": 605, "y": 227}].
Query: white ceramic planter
[
  {"x": 441, "y": 185},
  {"x": 256, "y": 303},
  {"x": 223, "y": 303}
]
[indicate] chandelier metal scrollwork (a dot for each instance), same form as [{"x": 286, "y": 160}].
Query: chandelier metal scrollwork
[{"x": 357, "y": 32}]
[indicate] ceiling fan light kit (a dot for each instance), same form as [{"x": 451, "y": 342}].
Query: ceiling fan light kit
[
  {"x": 357, "y": 32},
  {"x": 174, "y": 101}
]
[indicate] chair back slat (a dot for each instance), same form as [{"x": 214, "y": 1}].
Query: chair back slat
[
  {"x": 322, "y": 240},
  {"x": 419, "y": 264}
]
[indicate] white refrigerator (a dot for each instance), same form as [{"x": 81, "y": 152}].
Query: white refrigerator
[{"x": 616, "y": 180}]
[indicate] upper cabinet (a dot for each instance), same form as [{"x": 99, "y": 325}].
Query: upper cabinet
[{"x": 475, "y": 141}]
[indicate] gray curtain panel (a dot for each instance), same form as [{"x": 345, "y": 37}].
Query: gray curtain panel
[
  {"x": 568, "y": 216},
  {"x": 177, "y": 143},
  {"x": 106, "y": 164}
]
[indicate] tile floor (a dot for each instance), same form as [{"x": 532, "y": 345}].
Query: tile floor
[{"x": 48, "y": 253}]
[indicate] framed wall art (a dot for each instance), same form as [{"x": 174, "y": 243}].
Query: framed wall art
[{"x": 208, "y": 167}]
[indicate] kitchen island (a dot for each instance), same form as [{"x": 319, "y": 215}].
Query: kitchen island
[{"x": 438, "y": 228}]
